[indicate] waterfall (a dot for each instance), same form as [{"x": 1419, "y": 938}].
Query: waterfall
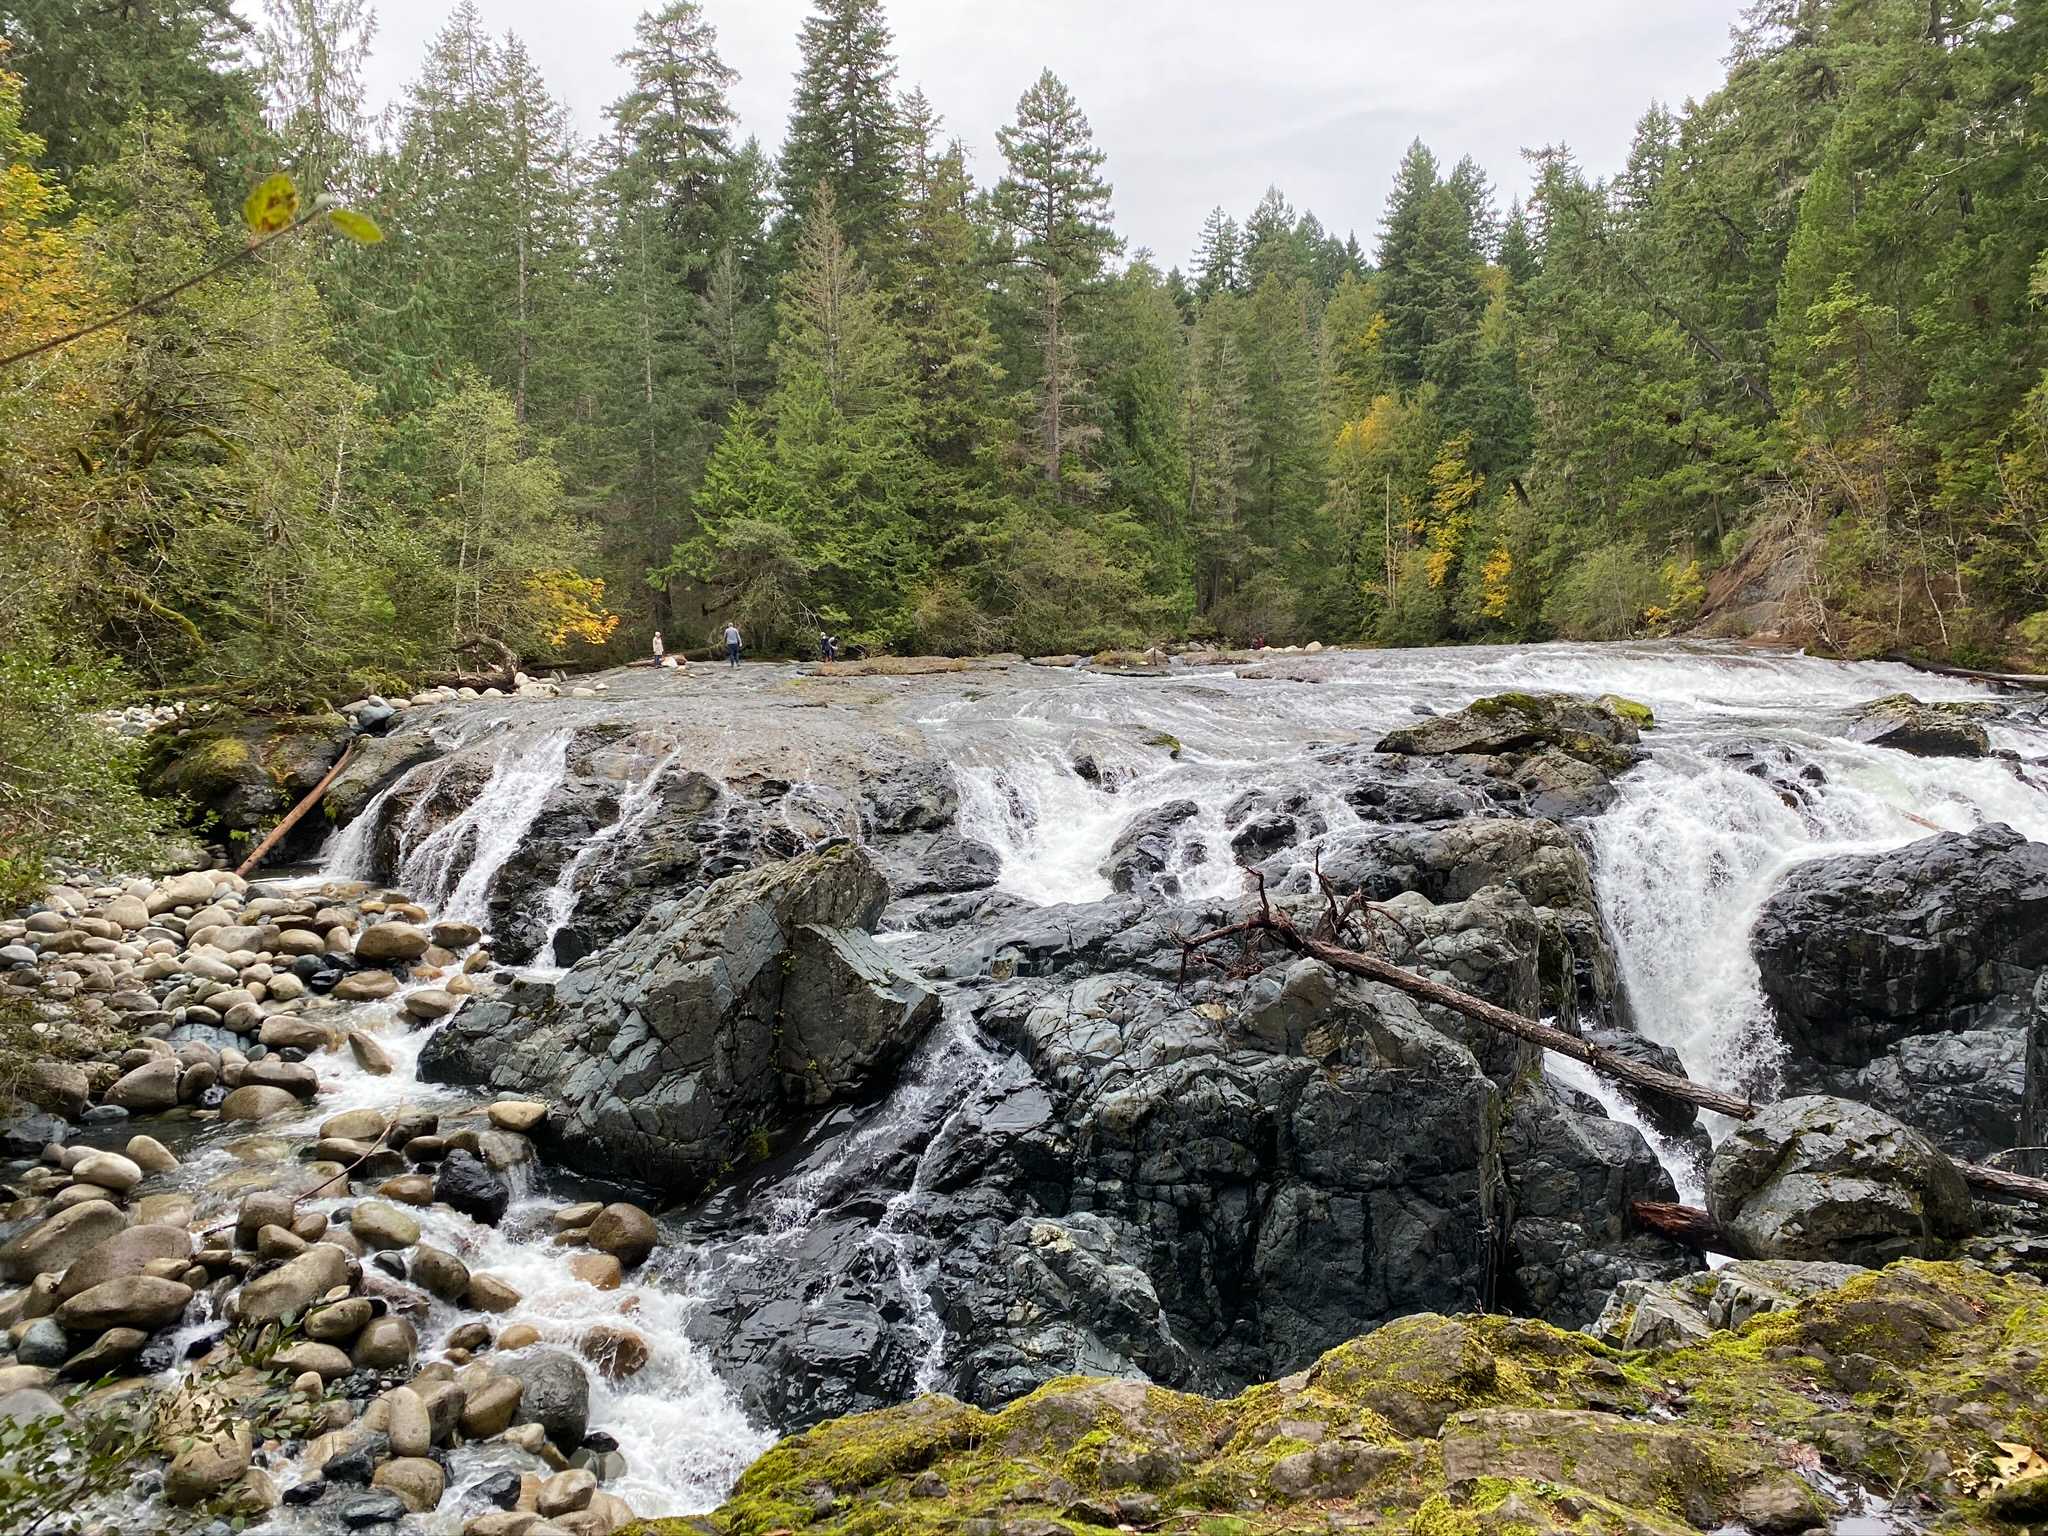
[
  {"x": 488, "y": 830},
  {"x": 635, "y": 807}
]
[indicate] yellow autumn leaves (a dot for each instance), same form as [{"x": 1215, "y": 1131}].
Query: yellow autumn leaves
[{"x": 273, "y": 207}]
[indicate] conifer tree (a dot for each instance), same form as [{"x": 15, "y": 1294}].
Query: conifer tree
[
  {"x": 1217, "y": 257},
  {"x": 845, "y": 129},
  {"x": 1056, "y": 206}
]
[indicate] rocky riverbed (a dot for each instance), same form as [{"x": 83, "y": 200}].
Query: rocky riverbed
[{"x": 731, "y": 1052}]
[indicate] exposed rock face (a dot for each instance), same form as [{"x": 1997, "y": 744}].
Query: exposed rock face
[
  {"x": 675, "y": 1052},
  {"x": 1144, "y": 852},
  {"x": 1490, "y": 1426},
  {"x": 1926, "y": 730},
  {"x": 248, "y": 773},
  {"x": 1917, "y": 980},
  {"x": 1820, "y": 1178},
  {"x": 1562, "y": 751}
]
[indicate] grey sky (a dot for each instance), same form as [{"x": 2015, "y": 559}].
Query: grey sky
[{"x": 1203, "y": 101}]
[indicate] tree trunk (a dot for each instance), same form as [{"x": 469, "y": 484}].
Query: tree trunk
[
  {"x": 1686, "y": 1224},
  {"x": 297, "y": 813}
]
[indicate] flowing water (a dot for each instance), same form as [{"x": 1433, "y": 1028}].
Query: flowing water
[{"x": 1682, "y": 863}]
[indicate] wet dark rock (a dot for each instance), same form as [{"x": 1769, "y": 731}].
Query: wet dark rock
[
  {"x": 916, "y": 795},
  {"x": 465, "y": 1183},
  {"x": 26, "y": 1135},
  {"x": 1572, "y": 1175},
  {"x": 1562, "y": 752},
  {"x": 1144, "y": 852},
  {"x": 355, "y": 1465},
  {"x": 555, "y": 1394},
  {"x": 312, "y": 1491},
  {"x": 952, "y": 864},
  {"x": 670, "y": 1056},
  {"x": 499, "y": 1489},
  {"x": 1821, "y": 1178},
  {"x": 1915, "y": 979},
  {"x": 1905, "y": 724},
  {"x": 366, "y": 1511}
]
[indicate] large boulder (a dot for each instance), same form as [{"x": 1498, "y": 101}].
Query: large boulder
[
  {"x": 1821, "y": 1178},
  {"x": 722, "y": 1015},
  {"x": 1562, "y": 751},
  {"x": 1916, "y": 979},
  {"x": 243, "y": 775},
  {"x": 1926, "y": 730},
  {"x": 1145, "y": 852},
  {"x": 554, "y": 1393}
]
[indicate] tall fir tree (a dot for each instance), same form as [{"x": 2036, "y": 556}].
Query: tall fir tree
[
  {"x": 1055, "y": 204},
  {"x": 846, "y": 130}
]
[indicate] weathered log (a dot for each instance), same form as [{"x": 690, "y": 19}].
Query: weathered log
[
  {"x": 1648, "y": 1078},
  {"x": 1686, "y": 1224},
  {"x": 1974, "y": 674},
  {"x": 297, "y": 812},
  {"x": 1997, "y": 1181}
]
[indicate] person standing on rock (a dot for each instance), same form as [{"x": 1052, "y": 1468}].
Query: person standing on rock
[
  {"x": 732, "y": 644},
  {"x": 657, "y": 648}
]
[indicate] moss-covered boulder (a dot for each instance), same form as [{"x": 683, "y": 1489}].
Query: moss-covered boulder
[
  {"x": 1562, "y": 750},
  {"x": 1899, "y": 1385},
  {"x": 241, "y": 775},
  {"x": 1906, "y": 724}
]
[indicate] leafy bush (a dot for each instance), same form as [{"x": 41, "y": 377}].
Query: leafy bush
[
  {"x": 1604, "y": 594},
  {"x": 67, "y": 786}
]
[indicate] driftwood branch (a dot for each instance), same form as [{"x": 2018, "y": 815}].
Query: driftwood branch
[
  {"x": 1266, "y": 922},
  {"x": 297, "y": 812},
  {"x": 1686, "y": 1224}
]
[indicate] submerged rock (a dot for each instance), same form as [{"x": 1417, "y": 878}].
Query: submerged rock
[{"x": 677, "y": 1053}]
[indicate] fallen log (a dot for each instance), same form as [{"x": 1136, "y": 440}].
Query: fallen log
[
  {"x": 1686, "y": 1224},
  {"x": 1650, "y": 1079},
  {"x": 1973, "y": 674},
  {"x": 294, "y": 815}
]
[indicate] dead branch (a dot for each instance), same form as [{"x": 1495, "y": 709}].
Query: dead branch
[
  {"x": 297, "y": 812},
  {"x": 1277, "y": 925},
  {"x": 1686, "y": 1224}
]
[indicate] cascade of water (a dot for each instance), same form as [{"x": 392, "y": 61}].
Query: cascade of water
[
  {"x": 351, "y": 853},
  {"x": 635, "y": 807},
  {"x": 489, "y": 829},
  {"x": 1695, "y": 846}
]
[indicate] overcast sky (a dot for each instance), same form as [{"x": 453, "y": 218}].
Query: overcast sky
[{"x": 1198, "y": 102}]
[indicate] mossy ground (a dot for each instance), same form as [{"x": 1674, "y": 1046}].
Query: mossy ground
[{"x": 1899, "y": 1384}]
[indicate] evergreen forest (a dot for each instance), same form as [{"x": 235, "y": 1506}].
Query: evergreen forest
[{"x": 590, "y": 386}]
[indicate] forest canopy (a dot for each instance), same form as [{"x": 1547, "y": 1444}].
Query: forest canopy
[{"x": 661, "y": 377}]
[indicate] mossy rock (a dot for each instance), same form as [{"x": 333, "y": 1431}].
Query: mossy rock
[
  {"x": 1472, "y": 1426},
  {"x": 243, "y": 775}
]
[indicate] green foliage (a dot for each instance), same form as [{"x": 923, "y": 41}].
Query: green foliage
[{"x": 67, "y": 785}]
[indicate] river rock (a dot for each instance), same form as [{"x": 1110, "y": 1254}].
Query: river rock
[
  {"x": 203, "y": 1469},
  {"x": 1821, "y": 1178},
  {"x": 355, "y": 1125},
  {"x": 1904, "y": 723},
  {"x": 124, "y": 1253},
  {"x": 554, "y": 1393},
  {"x": 365, "y": 987},
  {"x": 243, "y": 774},
  {"x": 130, "y": 1301},
  {"x": 257, "y": 1102},
  {"x": 438, "y": 1272},
  {"x": 109, "y": 1170},
  {"x": 380, "y": 1225},
  {"x": 55, "y": 1244},
  {"x": 692, "y": 1064},
  {"x": 490, "y": 1408},
  {"x": 521, "y": 1115},
  {"x": 466, "y": 1185},
  {"x": 1563, "y": 752},
  {"x": 387, "y": 942},
  {"x": 149, "y": 1087},
  {"x": 151, "y": 1155},
  {"x": 450, "y": 934},
  {"x": 1911, "y": 979},
  {"x": 1144, "y": 852},
  {"x": 324, "y": 1360},
  {"x": 418, "y": 1481},
  {"x": 369, "y": 1055},
  {"x": 293, "y": 1286},
  {"x": 624, "y": 1231},
  {"x": 566, "y": 1492}
]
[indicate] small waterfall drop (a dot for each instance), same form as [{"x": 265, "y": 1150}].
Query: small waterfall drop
[
  {"x": 488, "y": 830},
  {"x": 635, "y": 807}
]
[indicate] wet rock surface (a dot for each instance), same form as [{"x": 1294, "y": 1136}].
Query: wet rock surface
[{"x": 1916, "y": 980}]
